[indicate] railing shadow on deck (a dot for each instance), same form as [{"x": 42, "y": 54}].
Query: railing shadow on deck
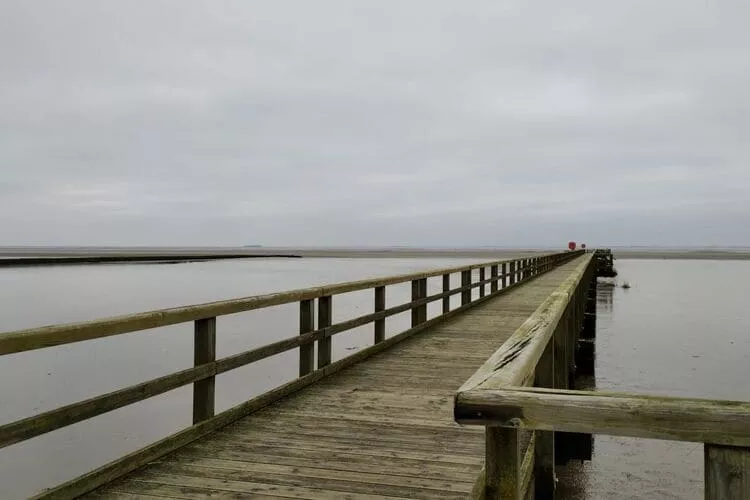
[
  {"x": 504, "y": 275},
  {"x": 523, "y": 388}
]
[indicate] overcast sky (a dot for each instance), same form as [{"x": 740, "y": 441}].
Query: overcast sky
[{"x": 374, "y": 123}]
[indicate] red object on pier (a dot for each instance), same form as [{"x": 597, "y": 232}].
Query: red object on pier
[{"x": 572, "y": 245}]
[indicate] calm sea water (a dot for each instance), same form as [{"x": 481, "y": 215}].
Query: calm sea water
[{"x": 680, "y": 330}]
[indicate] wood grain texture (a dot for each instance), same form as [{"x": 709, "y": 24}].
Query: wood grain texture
[
  {"x": 727, "y": 472},
  {"x": 381, "y": 427},
  {"x": 655, "y": 417},
  {"x": 204, "y": 353}
]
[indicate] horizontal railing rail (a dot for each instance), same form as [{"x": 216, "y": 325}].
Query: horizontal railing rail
[
  {"x": 524, "y": 387},
  {"x": 48, "y": 336},
  {"x": 504, "y": 275}
]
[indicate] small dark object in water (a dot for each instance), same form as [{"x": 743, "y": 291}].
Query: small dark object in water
[{"x": 626, "y": 285}]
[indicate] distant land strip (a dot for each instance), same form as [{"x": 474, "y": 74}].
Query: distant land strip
[{"x": 113, "y": 259}]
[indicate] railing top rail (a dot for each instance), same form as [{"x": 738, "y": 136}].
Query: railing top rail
[
  {"x": 514, "y": 363},
  {"x": 48, "y": 336},
  {"x": 612, "y": 413}
]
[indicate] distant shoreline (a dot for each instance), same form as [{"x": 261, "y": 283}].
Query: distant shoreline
[
  {"x": 682, "y": 254},
  {"x": 25, "y": 257}
]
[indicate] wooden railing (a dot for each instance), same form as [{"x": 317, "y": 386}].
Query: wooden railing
[
  {"x": 523, "y": 387},
  {"x": 504, "y": 275}
]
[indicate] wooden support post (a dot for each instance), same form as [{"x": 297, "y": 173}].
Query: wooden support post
[
  {"x": 422, "y": 295},
  {"x": 446, "y": 288},
  {"x": 481, "y": 278},
  {"x": 502, "y": 464},
  {"x": 493, "y": 276},
  {"x": 418, "y": 291},
  {"x": 504, "y": 272},
  {"x": 544, "y": 449},
  {"x": 204, "y": 352},
  {"x": 379, "y": 306},
  {"x": 727, "y": 472},
  {"x": 325, "y": 317},
  {"x": 306, "y": 325},
  {"x": 512, "y": 272},
  {"x": 465, "y": 281}
]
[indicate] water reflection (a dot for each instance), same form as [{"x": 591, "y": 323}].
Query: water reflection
[{"x": 605, "y": 292}]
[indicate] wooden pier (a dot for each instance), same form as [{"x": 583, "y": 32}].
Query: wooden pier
[{"x": 469, "y": 404}]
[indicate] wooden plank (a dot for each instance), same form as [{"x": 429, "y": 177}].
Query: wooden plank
[
  {"x": 502, "y": 464},
  {"x": 446, "y": 287},
  {"x": 418, "y": 445},
  {"x": 48, "y": 336},
  {"x": 204, "y": 352},
  {"x": 348, "y": 485},
  {"x": 493, "y": 276},
  {"x": 465, "y": 282},
  {"x": 654, "y": 417},
  {"x": 306, "y": 325},
  {"x": 481, "y": 280},
  {"x": 379, "y": 306},
  {"x": 206, "y": 487},
  {"x": 322, "y": 472},
  {"x": 727, "y": 472},
  {"x": 325, "y": 317},
  {"x": 544, "y": 448},
  {"x": 336, "y": 460}
]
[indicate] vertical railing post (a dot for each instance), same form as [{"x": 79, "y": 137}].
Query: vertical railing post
[
  {"x": 379, "y": 306},
  {"x": 204, "y": 347},
  {"x": 502, "y": 463},
  {"x": 512, "y": 272},
  {"x": 423, "y": 295},
  {"x": 481, "y": 279},
  {"x": 325, "y": 317},
  {"x": 418, "y": 291},
  {"x": 544, "y": 446},
  {"x": 306, "y": 325},
  {"x": 727, "y": 472},
  {"x": 504, "y": 272},
  {"x": 493, "y": 276},
  {"x": 465, "y": 281},
  {"x": 446, "y": 288}
]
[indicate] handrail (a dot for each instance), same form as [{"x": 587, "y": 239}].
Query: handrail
[
  {"x": 505, "y": 275},
  {"x": 54, "y": 335},
  {"x": 615, "y": 414}
]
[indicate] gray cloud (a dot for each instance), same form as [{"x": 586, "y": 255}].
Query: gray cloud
[{"x": 367, "y": 123}]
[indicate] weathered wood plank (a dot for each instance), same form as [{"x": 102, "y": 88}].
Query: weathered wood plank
[
  {"x": 306, "y": 325},
  {"x": 204, "y": 353},
  {"x": 325, "y": 318},
  {"x": 349, "y": 485},
  {"x": 655, "y": 417},
  {"x": 502, "y": 464},
  {"x": 727, "y": 472},
  {"x": 322, "y": 472},
  {"x": 544, "y": 447},
  {"x": 379, "y": 306}
]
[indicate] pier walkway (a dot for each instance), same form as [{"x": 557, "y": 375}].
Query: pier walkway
[{"x": 381, "y": 428}]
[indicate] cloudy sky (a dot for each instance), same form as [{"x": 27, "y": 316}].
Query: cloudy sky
[{"x": 374, "y": 122}]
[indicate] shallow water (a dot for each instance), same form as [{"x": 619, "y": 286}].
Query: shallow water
[{"x": 680, "y": 330}]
